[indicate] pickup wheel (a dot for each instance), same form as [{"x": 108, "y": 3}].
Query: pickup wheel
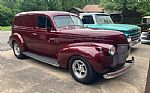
[
  {"x": 17, "y": 50},
  {"x": 81, "y": 70}
]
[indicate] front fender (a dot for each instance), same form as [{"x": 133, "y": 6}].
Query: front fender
[{"x": 98, "y": 60}]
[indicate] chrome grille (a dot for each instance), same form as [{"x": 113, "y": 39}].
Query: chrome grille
[
  {"x": 121, "y": 54},
  {"x": 135, "y": 36}
]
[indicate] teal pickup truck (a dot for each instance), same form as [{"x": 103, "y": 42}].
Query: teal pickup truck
[{"x": 103, "y": 21}]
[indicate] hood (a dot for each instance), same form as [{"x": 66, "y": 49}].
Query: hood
[
  {"x": 125, "y": 28},
  {"x": 99, "y": 35}
]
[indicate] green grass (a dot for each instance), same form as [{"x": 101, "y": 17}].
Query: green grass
[{"x": 5, "y": 28}]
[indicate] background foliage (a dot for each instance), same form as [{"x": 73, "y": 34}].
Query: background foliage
[
  {"x": 141, "y": 6},
  {"x": 8, "y": 8}
]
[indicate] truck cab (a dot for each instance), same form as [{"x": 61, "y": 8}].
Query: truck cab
[{"x": 103, "y": 21}]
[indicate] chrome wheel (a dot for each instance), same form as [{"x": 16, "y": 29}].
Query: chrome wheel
[
  {"x": 16, "y": 49},
  {"x": 79, "y": 69}
]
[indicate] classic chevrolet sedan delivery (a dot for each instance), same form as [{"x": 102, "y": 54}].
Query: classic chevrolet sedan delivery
[{"x": 58, "y": 38}]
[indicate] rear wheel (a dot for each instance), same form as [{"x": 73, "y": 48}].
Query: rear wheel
[
  {"x": 81, "y": 70},
  {"x": 17, "y": 50}
]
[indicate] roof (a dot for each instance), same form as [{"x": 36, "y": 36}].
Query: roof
[
  {"x": 93, "y": 8},
  {"x": 113, "y": 12},
  {"x": 93, "y": 13},
  {"x": 146, "y": 17},
  {"x": 52, "y": 13}
]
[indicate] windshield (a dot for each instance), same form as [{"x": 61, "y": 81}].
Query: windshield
[
  {"x": 63, "y": 21},
  {"x": 146, "y": 20},
  {"x": 103, "y": 19}
]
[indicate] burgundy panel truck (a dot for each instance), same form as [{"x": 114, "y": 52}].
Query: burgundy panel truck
[{"x": 59, "y": 38}]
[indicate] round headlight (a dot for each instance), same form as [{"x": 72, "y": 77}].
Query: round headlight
[
  {"x": 112, "y": 50},
  {"x": 129, "y": 39}
]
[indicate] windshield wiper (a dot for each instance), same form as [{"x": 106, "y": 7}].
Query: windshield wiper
[{"x": 69, "y": 26}]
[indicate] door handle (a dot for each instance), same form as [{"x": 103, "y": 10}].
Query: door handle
[
  {"x": 51, "y": 40},
  {"x": 35, "y": 34}
]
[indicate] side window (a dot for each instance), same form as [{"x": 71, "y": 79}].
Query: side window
[
  {"x": 88, "y": 19},
  {"x": 43, "y": 22}
]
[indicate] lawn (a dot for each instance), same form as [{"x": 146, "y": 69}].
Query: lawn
[{"x": 5, "y": 28}]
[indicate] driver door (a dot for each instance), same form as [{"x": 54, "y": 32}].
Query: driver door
[{"x": 45, "y": 37}]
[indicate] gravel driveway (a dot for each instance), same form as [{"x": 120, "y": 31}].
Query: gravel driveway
[{"x": 31, "y": 76}]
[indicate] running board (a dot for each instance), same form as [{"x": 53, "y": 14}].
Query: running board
[{"x": 44, "y": 59}]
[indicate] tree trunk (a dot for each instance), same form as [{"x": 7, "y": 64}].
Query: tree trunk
[
  {"x": 63, "y": 4},
  {"x": 124, "y": 10}
]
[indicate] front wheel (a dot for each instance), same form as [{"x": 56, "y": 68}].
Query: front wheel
[
  {"x": 81, "y": 70},
  {"x": 17, "y": 50}
]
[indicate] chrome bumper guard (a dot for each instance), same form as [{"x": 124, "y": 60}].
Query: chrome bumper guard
[
  {"x": 124, "y": 69},
  {"x": 132, "y": 43}
]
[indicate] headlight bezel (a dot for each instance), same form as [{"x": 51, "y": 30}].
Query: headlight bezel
[
  {"x": 112, "y": 50},
  {"x": 129, "y": 39}
]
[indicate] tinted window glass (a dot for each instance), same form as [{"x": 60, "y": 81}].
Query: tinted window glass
[
  {"x": 103, "y": 19},
  {"x": 146, "y": 20},
  {"x": 88, "y": 20},
  {"x": 43, "y": 22},
  {"x": 62, "y": 21},
  {"x": 77, "y": 21},
  {"x": 67, "y": 21},
  {"x": 48, "y": 23}
]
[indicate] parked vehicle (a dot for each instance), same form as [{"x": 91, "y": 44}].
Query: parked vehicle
[
  {"x": 59, "y": 39},
  {"x": 145, "y": 37},
  {"x": 145, "y": 28},
  {"x": 103, "y": 21},
  {"x": 145, "y": 24}
]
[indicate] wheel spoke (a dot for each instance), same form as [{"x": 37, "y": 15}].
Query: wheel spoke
[
  {"x": 78, "y": 64},
  {"x": 80, "y": 73},
  {"x": 79, "y": 69},
  {"x": 16, "y": 49}
]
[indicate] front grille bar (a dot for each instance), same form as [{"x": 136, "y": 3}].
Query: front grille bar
[{"x": 121, "y": 54}]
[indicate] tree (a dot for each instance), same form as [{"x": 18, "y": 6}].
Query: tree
[
  {"x": 5, "y": 15},
  {"x": 13, "y": 5},
  {"x": 54, "y": 5},
  {"x": 67, "y": 4},
  {"x": 143, "y": 7},
  {"x": 123, "y": 5},
  {"x": 9, "y": 8},
  {"x": 34, "y": 5},
  {"x": 129, "y": 9}
]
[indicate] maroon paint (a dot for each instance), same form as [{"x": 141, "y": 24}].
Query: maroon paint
[{"x": 63, "y": 44}]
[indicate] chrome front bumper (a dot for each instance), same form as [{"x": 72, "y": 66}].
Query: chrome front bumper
[
  {"x": 124, "y": 69},
  {"x": 145, "y": 37},
  {"x": 132, "y": 43}
]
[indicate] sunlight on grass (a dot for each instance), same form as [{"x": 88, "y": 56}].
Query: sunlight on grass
[{"x": 5, "y": 28}]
